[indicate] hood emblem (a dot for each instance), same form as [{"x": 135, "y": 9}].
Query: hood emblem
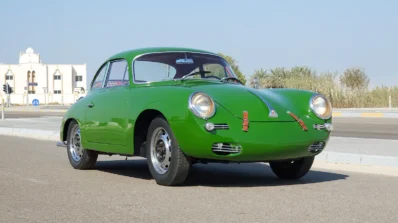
[
  {"x": 273, "y": 114},
  {"x": 245, "y": 123},
  {"x": 302, "y": 124}
]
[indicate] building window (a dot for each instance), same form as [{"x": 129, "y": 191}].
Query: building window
[
  {"x": 57, "y": 91},
  {"x": 57, "y": 77},
  {"x": 78, "y": 78},
  {"x": 9, "y": 77},
  {"x": 32, "y": 80},
  {"x": 31, "y": 92}
]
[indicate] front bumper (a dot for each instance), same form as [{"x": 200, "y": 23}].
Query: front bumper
[{"x": 264, "y": 141}]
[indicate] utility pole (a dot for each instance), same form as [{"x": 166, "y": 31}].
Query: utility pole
[
  {"x": 2, "y": 108},
  {"x": 389, "y": 98},
  {"x": 8, "y": 95}
]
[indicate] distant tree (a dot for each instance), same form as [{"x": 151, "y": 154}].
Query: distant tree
[
  {"x": 354, "y": 79},
  {"x": 258, "y": 78},
  {"x": 278, "y": 77},
  {"x": 234, "y": 66}
]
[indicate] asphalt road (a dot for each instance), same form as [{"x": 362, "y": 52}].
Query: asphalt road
[
  {"x": 37, "y": 184},
  {"x": 379, "y": 128}
]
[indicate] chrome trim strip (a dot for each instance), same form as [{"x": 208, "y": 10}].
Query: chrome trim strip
[
  {"x": 272, "y": 113},
  {"x": 144, "y": 54},
  {"x": 221, "y": 126},
  {"x": 106, "y": 64}
]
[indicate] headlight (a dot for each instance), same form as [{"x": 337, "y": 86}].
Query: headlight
[
  {"x": 201, "y": 105},
  {"x": 321, "y": 107}
]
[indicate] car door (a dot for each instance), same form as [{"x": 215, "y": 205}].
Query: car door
[
  {"x": 107, "y": 111},
  {"x": 92, "y": 129}
]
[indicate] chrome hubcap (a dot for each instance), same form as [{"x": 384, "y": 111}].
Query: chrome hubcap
[
  {"x": 160, "y": 150},
  {"x": 75, "y": 148}
]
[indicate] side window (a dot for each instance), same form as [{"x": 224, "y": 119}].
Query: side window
[
  {"x": 118, "y": 74},
  {"x": 152, "y": 71},
  {"x": 97, "y": 83}
]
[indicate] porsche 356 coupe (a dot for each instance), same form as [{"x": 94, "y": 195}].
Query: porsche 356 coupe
[{"x": 180, "y": 106}]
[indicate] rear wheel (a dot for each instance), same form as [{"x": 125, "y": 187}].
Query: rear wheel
[
  {"x": 293, "y": 169},
  {"x": 167, "y": 163},
  {"x": 79, "y": 158}
]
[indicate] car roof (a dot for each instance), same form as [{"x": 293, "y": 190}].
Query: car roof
[{"x": 131, "y": 54}]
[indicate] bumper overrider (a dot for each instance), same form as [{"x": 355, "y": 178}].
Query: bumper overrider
[{"x": 60, "y": 144}]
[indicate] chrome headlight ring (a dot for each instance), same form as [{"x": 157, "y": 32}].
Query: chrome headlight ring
[
  {"x": 201, "y": 105},
  {"x": 321, "y": 107}
]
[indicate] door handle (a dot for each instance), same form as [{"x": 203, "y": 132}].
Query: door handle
[{"x": 90, "y": 105}]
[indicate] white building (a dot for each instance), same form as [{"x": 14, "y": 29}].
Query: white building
[{"x": 48, "y": 83}]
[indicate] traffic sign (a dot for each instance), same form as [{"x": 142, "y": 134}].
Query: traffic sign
[
  {"x": 35, "y": 102},
  {"x": 33, "y": 84}
]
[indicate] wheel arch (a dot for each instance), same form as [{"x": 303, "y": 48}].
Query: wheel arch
[
  {"x": 141, "y": 126},
  {"x": 66, "y": 127}
]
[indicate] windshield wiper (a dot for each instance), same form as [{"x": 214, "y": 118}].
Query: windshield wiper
[
  {"x": 233, "y": 78},
  {"x": 197, "y": 72}
]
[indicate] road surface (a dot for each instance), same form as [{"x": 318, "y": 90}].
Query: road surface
[
  {"x": 378, "y": 128},
  {"x": 38, "y": 185}
]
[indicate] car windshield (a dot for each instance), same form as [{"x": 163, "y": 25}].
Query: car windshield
[{"x": 180, "y": 65}]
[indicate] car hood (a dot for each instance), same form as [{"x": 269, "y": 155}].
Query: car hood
[{"x": 258, "y": 103}]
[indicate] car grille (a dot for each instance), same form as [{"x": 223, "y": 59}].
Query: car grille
[
  {"x": 316, "y": 147},
  {"x": 226, "y": 148}
]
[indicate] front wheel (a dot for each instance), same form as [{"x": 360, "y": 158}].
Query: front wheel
[
  {"x": 167, "y": 163},
  {"x": 79, "y": 158},
  {"x": 294, "y": 169}
]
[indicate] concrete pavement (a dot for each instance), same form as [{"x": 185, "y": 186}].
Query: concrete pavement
[{"x": 39, "y": 185}]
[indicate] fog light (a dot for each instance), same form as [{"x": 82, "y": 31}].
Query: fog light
[
  {"x": 329, "y": 126},
  {"x": 209, "y": 126}
]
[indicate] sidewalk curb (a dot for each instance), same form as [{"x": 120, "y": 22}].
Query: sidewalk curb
[
  {"x": 357, "y": 114},
  {"x": 352, "y": 158},
  {"x": 329, "y": 157},
  {"x": 36, "y": 110},
  {"x": 30, "y": 133}
]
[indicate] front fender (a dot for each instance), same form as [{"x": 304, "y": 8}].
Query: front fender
[{"x": 75, "y": 112}]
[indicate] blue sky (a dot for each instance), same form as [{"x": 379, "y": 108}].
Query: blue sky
[{"x": 324, "y": 35}]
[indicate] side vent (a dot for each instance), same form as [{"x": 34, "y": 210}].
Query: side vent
[{"x": 222, "y": 126}]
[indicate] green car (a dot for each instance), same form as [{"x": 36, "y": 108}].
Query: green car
[{"x": 178, "y": 106}]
